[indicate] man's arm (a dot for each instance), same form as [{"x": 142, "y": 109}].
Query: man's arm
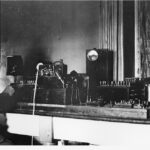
[{"x": 8, "y": 99}]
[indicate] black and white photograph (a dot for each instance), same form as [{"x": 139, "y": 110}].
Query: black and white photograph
[{"x": 74, "y": 73}]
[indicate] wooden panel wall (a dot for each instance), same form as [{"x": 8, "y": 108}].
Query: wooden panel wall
[
  {"x": 111, "y": 33},
  {"x": 142, "y": 39}
]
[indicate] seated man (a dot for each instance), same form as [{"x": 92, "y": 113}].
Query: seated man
[
  {"x": 8, "y": 99},
  {"x": 7, "y": 96}
]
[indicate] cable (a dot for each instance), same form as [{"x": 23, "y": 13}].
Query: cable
[{"x": 34, "y": 94}]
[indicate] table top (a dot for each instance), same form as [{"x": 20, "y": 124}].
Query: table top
[{"x": 123, "y": 115}]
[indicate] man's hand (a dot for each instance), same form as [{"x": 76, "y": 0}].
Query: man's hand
[{"x": 9, "y": 90}]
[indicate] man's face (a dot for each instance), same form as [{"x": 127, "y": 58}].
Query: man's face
[{"x": 2, "y": 71}]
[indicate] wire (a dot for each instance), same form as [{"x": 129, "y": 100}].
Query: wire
[{"x": 34, "y": 95}]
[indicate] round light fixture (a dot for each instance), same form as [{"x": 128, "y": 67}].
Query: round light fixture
[{"x": 92, "y": 55}]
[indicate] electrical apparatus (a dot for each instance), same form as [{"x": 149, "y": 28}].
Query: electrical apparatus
[
  {"x": 99, "y": 65},
  {"x": 14, "y": 65},
  {"x": 132, "y": 92}
]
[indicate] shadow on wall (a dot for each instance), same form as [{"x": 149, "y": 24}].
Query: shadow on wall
[{"x": 35, "y": 55}]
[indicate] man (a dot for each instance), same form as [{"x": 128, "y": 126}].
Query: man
[{"x": 8, "y": 99}]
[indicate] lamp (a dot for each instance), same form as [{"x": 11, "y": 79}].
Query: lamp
[{"x": 92, "y": 55}]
